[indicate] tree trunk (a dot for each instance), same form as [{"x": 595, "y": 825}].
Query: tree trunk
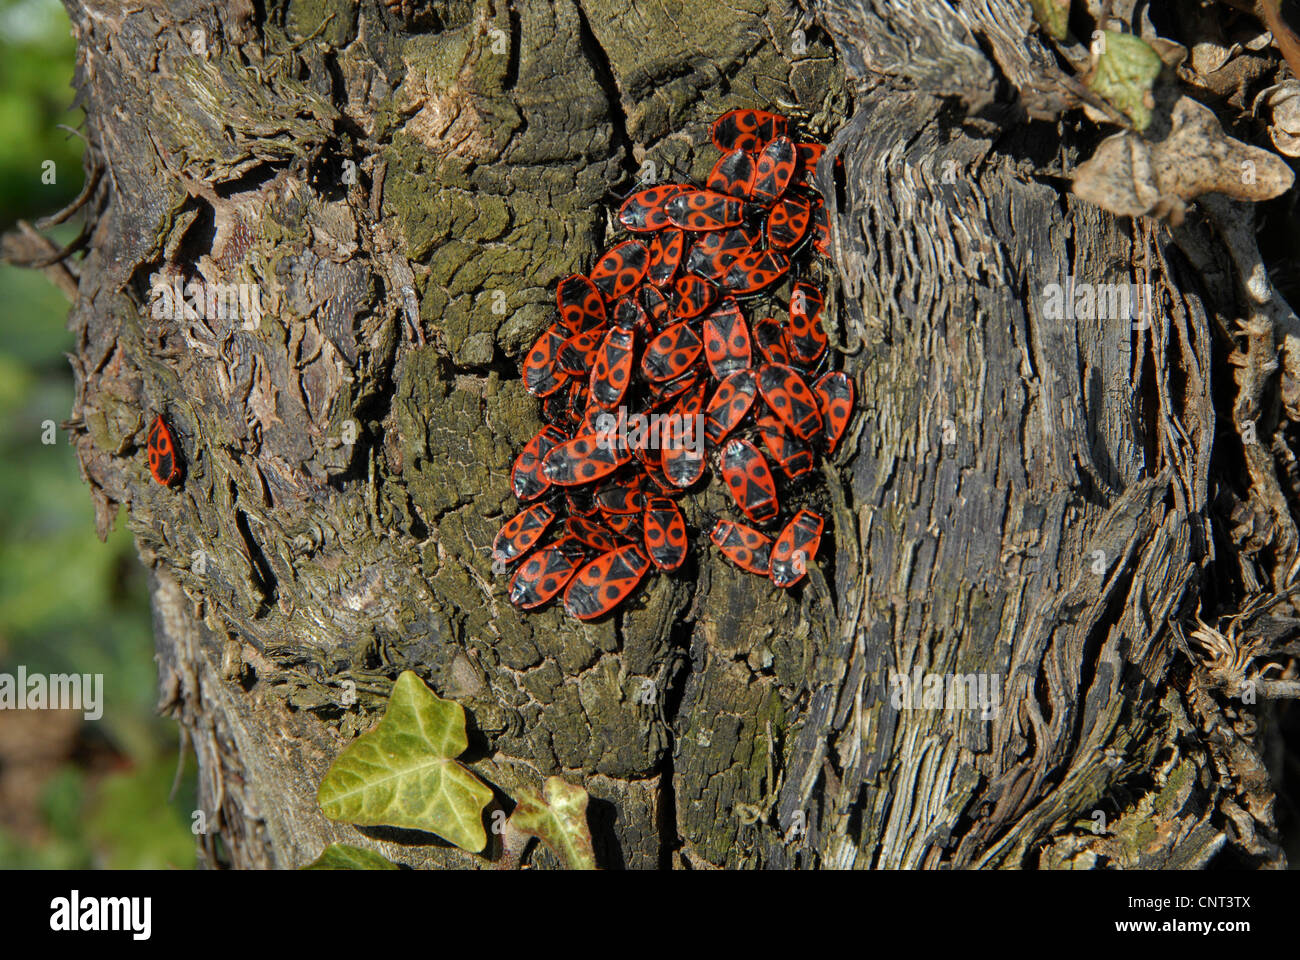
[{"x": 1020, "y": 497}]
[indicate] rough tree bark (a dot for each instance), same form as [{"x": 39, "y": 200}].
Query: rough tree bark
[{"x": 382, "y": 170}]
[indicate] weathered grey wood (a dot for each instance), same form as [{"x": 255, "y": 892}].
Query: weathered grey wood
[{"x": 978, "y": 555}]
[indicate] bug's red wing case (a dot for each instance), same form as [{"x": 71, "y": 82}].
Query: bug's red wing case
[
  {"x": 665, "y": 533},
  {"x": 733, "y": 399},
  {"x": 604, "y": 582},
  {"x": 164, "y": 458},
  {"x": 744, "y": 546},
  {"x": 795, "y": 548},
  {"x": 546, "y": 573}
]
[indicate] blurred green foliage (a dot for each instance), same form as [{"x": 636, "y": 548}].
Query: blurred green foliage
[
  {"x": 36, "y": 58},
  {"x": 67, "y": 601}
]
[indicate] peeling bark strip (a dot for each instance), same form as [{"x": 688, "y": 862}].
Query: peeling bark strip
[{"x": 1022, "y": 497}]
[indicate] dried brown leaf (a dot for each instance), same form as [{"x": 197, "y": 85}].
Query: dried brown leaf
[
  {"x": 1130, "y": 177},
  {"x": 1283, "y": 101}
]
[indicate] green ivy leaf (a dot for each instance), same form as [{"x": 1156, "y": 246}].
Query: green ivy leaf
[
  {"x": 1053, "y": 16},
  {"x": 560, "y": 822},
  {"x": 344, "y": 856},
  {"x": 1125, "y": 71},
  {"x": 403, "y": 773}
]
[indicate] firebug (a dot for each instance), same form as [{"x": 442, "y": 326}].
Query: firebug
[
  {"x": 795, "y": 548},
  {"x": 517, "y": 536},
  {"x": 164, "y": 458},
  {"x": 605, "y": 582},
  {"x": 665, "y": 533},
  {"x": 750, "y": 480},
  {"x": 744, "y": 546}
]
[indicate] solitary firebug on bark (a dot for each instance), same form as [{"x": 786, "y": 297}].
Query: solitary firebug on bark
[{"x": 164, "y": 459}]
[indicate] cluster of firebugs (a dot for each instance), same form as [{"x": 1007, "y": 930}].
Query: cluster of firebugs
[
  {"x": 656, "y": 327},
  {"x": 657, "y": 323}
]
